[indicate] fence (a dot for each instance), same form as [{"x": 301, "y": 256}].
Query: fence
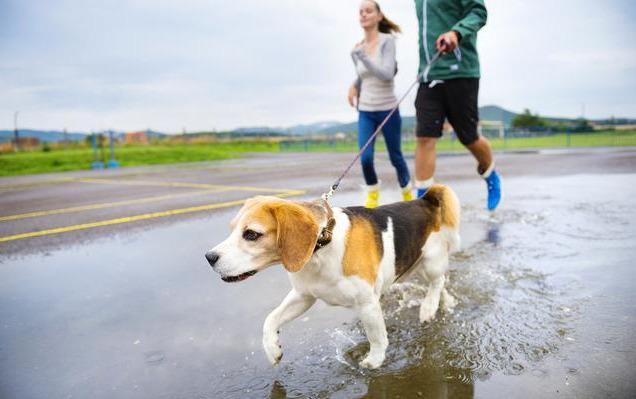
[{"x": 506, "y": 139}]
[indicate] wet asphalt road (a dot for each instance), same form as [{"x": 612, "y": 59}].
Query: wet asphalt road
[
  {"x": 104, "y": 291},
  {"x": 51, "y": 211}
]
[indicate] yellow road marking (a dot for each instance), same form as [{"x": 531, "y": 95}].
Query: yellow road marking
[
  {"x": 180, "y": 184},
  {"x": 107, "y": 205},
  {"x": 138, "y": 183},
  {"x": 135, "y": 218},
  {"x": 36, "y": 183},
  {"x": 145, "y": 183}
]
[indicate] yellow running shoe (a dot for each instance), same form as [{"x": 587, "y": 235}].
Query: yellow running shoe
[
  {"x": 407, "y": 195},
  {"x": 373, "y": 199},
  {"x": 407, "y": 192}
]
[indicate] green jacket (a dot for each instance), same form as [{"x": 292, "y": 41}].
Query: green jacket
[{"x": 438, "y": 16}]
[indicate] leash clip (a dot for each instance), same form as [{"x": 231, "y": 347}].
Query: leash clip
[{"x": 327, "y": 196}]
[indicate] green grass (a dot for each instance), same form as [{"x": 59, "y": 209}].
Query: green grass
[
  {"x": 25, "y": 163},
  {"x": 33, "y": 162},
  {"x": 594, "y": 139}
]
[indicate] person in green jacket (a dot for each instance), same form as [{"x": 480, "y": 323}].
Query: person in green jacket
[{"x": 449, "y": 90}]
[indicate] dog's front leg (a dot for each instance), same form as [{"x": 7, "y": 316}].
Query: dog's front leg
[
  {"x": 292, "y": 306},
  {"x": 373, "y": 323}
]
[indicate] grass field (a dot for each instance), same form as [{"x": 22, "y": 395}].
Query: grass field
[
  {"x": 593, "y": 139},
  {"x": 33, "y": 162}
]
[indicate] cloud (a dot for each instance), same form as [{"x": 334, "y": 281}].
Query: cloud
[{"x": 217, "y": 64}]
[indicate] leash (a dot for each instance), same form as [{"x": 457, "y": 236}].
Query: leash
[{"x": 327, "y": 196}]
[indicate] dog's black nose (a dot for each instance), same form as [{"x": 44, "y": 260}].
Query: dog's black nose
[{"x": 212, "y": 258}]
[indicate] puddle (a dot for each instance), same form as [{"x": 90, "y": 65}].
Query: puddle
[{"x": 141, "y": 315}]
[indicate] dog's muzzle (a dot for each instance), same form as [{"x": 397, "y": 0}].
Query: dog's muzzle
[{"x": 213, "y": 257}]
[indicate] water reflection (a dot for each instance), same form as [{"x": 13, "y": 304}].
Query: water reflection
[
  {"x": 429, "y": 382},
  {"x": 278, "y": 391},
  {"x": 492, "y": 233},
  {"x": 413, "y": 382}
]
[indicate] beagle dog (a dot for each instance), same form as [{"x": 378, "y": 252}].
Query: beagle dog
[{"x": 344, "y": 256}]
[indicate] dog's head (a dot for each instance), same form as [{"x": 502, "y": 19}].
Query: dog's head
[{"x": 266, "y": 231}]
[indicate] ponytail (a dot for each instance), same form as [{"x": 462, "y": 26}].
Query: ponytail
[{"x": 386, "y": 25}]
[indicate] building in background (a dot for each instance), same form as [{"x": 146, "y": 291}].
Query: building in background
[
  {"x": 25, "y": 143},
  {"x": 136, "y": 138}
]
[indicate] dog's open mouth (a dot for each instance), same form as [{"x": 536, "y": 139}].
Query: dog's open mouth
[{"x": 240, "y": 277}]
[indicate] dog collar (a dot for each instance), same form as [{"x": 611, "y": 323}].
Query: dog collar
[{"x": 324, "y": 238}]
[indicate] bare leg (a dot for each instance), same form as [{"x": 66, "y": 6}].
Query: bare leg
[
  {"x": 425, "y": 158},
  {"x": 482, "y": 152},
  {"x": 292, "y": 306},
  {"x": 373, "y": 323}
]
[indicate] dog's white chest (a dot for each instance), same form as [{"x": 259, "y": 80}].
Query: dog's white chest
[{"x": 323, "y": 281}]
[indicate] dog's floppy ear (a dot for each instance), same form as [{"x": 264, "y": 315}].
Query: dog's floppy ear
[{"x": 297, "y": 233}]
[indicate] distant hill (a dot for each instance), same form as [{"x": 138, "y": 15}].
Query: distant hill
[
  {"x": 293, "y": 130},
  {"x": 52, "y": 136},
  {"x": 313, "y": 127},
  {"x": 340, "y": 128},
  {"x": 488, "y": 112},
  {"x": 496, "y": 113},
  {"x": 255, "y": 130},
  {"x": 42, "y": 135},
  {"x": 150, "y": 133}
]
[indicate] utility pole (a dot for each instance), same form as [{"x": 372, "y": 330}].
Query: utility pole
[
  {"x": 16, "y": 135},
  {"x": 583, "y": 110},
  {"x": 112, "y": 163}
]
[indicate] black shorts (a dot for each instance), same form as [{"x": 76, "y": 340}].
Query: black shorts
[{"x": 455, "y": 100}]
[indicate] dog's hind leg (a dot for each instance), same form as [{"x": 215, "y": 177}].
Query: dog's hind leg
[
  {"x": 292, "y": 306},
  {"x": 373, "y": 323},
  {"x": 433, "y": 270},
  {"x": 429, "y": 306}
]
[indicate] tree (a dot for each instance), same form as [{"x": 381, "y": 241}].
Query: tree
[
  {"x": 527, "y": 120},
  {"x": 582, "y": 125}
]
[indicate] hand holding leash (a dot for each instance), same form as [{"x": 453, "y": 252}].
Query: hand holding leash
[{"x": 447, "y": 42}]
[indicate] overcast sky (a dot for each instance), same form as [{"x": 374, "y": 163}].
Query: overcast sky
[{"x": 202, "y": 65}]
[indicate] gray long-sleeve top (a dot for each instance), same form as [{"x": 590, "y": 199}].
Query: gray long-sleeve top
[{"x": 375, "y": 75}]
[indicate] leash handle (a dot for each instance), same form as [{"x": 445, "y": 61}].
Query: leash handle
[{"x": 327, "y": 196}]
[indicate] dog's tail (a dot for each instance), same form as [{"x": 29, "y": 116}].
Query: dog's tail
[{"x": 449, "y": 212}]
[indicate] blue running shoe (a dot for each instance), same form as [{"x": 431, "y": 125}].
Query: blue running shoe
[
  {"x": 494, "y": 190},
  {"x": 421, "y": 192}
]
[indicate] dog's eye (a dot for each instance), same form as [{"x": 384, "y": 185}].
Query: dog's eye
[{"x": 251, "y": 235}]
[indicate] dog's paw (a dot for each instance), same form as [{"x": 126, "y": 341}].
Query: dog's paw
[
  {"x": 272, "y": 348},
  {"x": 449, "y": 302},
  {"x": 372, "y": 361},
  {"x": 427, "y": 312}
]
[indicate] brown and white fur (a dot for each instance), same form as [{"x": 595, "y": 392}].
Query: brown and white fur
[{"x": 369, "y": 250}]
